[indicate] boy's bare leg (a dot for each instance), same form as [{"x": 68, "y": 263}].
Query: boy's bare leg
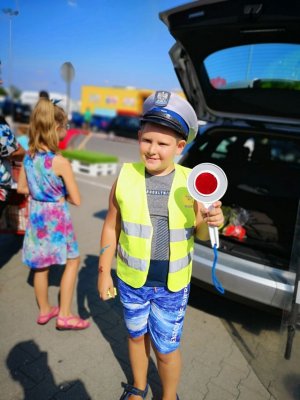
[
  {"x": 67, "y": 286},
  {"x": 169, "y": 369},
  {"x": 40, "y": 283},
  {"x": 139, "y": 353}
]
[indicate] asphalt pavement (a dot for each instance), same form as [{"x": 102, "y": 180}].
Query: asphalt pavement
[{"x": 39, "y": 362}]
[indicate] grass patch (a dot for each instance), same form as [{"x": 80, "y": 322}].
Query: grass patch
[{"x": 89, "y": 157}]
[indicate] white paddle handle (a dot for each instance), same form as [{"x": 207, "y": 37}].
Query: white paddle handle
[
  {"x": 214, "y": 236},
  {"x": 213, "y": 230}
]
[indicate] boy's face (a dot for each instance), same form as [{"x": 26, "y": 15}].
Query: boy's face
[{"x": 158, "y": 147}]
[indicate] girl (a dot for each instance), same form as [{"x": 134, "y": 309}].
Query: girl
[{"x": 49, "y": 239}]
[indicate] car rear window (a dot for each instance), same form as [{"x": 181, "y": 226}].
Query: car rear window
[
  {"x": 271, "y": 65},
  {"x": 255, "y": 149}
]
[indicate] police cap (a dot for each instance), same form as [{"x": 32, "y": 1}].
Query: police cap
[{"x": 171, "y": 110}]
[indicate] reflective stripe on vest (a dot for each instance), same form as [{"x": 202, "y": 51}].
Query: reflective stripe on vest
[
  {"x": 177, "y": 265},
  {"x": 144, "y": 231},
  {"x": 138, "y": 230},
  {"x": 177, "y": 235},
  {"x": 136, "y": 263},
  {"x": 142, "y": 265}
]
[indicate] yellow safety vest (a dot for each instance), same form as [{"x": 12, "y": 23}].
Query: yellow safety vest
[{"x": 134, "y": 247}]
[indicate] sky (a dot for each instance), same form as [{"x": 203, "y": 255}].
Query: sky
[{"x": 109, "y": 43}]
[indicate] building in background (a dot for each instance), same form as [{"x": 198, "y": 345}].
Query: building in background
[{"x": 110, "y": 101}]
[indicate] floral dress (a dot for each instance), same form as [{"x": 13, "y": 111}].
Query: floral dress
[{"x": 49, "y": 237}]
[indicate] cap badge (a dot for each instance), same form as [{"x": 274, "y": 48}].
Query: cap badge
[{"x": 161, "y": 98}]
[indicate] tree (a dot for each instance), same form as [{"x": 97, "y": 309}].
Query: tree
[
  {"x": 15, "y": 92},
  {"x": 3, "y": 92}
]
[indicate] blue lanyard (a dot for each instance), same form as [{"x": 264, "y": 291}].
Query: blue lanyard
[{"x": 216, "y": 282}]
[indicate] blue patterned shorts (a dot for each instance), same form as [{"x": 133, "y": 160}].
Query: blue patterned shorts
[{"x": 157, "y": 311}]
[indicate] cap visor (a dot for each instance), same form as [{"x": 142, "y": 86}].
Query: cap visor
[{"x": 161, "y": 121}]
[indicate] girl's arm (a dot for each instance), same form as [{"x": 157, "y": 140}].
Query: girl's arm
[
  {"x": 22, "y": 182},
  {"x": 62, "y": 167},
  {"x": 109, "y": 239},
  {"x": 205, "y": 218}
]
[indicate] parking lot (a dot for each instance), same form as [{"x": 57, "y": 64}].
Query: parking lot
[{"x": 230, "y": 351}]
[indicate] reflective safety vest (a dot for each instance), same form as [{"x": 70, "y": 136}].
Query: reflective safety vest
[{"x": 134, "y": 247}]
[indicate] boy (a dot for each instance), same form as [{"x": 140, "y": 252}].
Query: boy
[{"x": 151, "y": 222}]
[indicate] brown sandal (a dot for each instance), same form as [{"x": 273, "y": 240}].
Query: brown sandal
[{"x": 129, "y": 390}]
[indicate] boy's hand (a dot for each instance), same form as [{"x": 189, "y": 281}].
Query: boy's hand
[
  {"x": 213, "y": 216},
  {"x": 105, "y": 286}
]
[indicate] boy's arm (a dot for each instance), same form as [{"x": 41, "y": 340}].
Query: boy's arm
[
  {"x": 205, "y": 218},
  {"x": 109, "y": 239}
]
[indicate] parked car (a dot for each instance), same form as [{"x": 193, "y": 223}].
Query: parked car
[
  {"x": 73, "y": 138},
  {"x": 124, "y": 125},
  {"x": 20, "y": 112},
  {"x": 100, "y": 123},
  {"x": 77, "y": 119},
  {"x": 238, "y": 65}
]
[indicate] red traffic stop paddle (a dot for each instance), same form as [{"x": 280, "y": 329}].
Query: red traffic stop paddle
[{"x": 207, "y": 183}]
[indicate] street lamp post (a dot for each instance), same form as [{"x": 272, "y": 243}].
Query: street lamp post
[{"x": 10, "y": 13}]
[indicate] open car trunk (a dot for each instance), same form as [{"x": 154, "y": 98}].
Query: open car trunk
[{"x": 260, "y": 205}]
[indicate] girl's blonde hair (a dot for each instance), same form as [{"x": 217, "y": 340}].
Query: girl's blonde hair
[{"x": 43, "y": 126}]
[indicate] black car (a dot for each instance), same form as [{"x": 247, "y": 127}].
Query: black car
[
  {"x": 126, "y": 126},
  {"x": 239, "y": 66},
  {"x": 20, "y": 112}
]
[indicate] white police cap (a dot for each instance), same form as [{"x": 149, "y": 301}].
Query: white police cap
[{"x": 171, "y": 110}]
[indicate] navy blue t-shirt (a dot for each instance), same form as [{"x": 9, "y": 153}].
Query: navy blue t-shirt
[{"x": 158, "y": 190}]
